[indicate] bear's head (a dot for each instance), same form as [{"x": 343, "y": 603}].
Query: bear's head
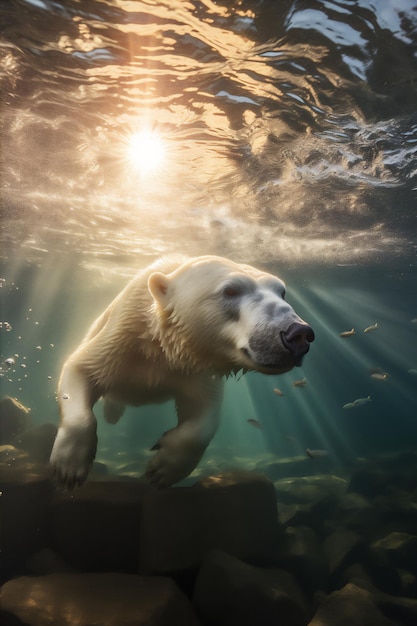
[{"x": 213, "y": 314}]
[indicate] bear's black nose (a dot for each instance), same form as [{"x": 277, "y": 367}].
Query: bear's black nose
[{"x": 297, "y": 339}]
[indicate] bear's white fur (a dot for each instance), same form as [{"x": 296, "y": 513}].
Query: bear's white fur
[{"x": 176, "y": 329}]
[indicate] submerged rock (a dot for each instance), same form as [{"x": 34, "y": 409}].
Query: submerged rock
[
  {"x": 398, "y": 507},
  {"x": 369, "y": 482},
  {"x": 309, "y": 489},
  {"x": 229, "y": 591},
  {"x": 235, "y": 512},
  {"x": 37, "y": 442},
  {"x": 85, "y": 599},
  {"x": 401, "y": 609},
  {"x": 386, "y": 475},
  {"x": 25, "y": 506},
  {"x": 358, "y": 575},
  {"x": 14, "y": 419},
  {"x": 342, "y": 548},
  {"x": 408, "y": 583},
  {"x": 397, "y": 549},
  {"x": 301, "y": 554},
  {"x": 96, "y": 528},
  {"x": 9, "y": 455},
  {"x": 299, "y": 466},
  {"x": 350, "y": 606}
]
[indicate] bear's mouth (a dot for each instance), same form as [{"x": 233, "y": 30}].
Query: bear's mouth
[{"x": 279, "y": 367}]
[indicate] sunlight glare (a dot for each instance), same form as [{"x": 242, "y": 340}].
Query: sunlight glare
[{"x": 146, "y": 151}]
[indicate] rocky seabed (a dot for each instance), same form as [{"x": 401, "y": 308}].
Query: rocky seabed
[{"x": 233, "y": 549}]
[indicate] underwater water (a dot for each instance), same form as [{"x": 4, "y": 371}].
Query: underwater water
[{"x": 278, "y": 134}]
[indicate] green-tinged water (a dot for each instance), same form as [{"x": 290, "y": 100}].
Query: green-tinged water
[{"x": 49, "y": 310}]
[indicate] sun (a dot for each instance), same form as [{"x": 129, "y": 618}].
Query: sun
[{"x": 146, "y": 151}]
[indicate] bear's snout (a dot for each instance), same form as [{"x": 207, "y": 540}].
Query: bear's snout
[
  {"x": 276, "y": 350},
  {"x": 297, "y": 339}
]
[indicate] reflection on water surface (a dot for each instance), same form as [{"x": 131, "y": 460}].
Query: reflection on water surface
[{"x": 289, "y": 128}]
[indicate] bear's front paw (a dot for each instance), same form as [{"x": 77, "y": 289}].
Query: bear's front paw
[
  {"x": 73, "y": 454},
  {"x": 175, "y": 459}
]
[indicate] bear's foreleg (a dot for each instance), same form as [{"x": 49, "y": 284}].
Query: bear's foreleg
[
  {"x": 76, "y": 441},
  {"x": 180, "y": 449}
]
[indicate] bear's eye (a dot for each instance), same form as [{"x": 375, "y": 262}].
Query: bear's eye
[
  {"x": 279, "y": 289},
  {"x": 232, "y": 291}
]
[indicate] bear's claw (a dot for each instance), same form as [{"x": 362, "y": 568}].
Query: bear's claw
[
  {"x": 175, "y": 459},
  {"x": 72, "y": 456},
  {"x": 157, "y": 480}
]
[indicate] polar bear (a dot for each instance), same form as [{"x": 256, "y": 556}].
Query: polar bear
[{"x": 175, "y": 331}]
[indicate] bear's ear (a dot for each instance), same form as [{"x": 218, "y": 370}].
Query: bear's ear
[{"x": 158, "y": 284}]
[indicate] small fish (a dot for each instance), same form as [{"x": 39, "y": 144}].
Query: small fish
[
  {"x": 357, "y": 402},
  {"x": 277, "y": 392},
  {"x": 413, "y": 371},
  {"x": 9, "y": 362},
  {"x": 369, "y": 329},
  {"x": 313, "y": 454},
  {"x": 254, "y": 422},
  {"x": 300, "y": 383},
  {"x": 360, "y": 401},
  {"x": 380, "y": 376},
  {"x": 414, "y": 320},
  {"x": 347, "y": 333}
]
